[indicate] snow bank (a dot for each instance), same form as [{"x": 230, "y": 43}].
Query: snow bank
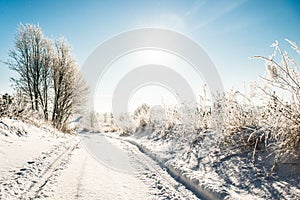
[
  {"x": 215, "y": 173},
  {"x": 202, "y": 190}
]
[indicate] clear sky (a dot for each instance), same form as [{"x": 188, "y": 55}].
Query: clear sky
[{"x": 229, "y": 31}]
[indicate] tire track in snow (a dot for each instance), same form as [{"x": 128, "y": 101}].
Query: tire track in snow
[
  {"x": 37, "y": 186},
  {"x": 29, "y": 179},
  {"x": 163, "y": 185},
  {"x": 79, "y": 184}
]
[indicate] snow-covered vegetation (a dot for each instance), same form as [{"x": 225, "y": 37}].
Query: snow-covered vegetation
[
  {"x": 273, "y": 122},
  {"x": 48, "y": 80},
  {"x": 253, "y": 151}
]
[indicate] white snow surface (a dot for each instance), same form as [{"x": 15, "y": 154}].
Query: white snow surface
[
  {"x": 216, "y": 173},
  {"x": 42, "y": 163}
]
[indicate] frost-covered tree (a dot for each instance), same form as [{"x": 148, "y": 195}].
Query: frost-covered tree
[
  {"x": 31, "y": 59},
  {"x": 5, "y": 101},
  {"x": 141, "y": 115},
  {"x": 48, "y": 75},
  {"x": 69, "y": 86}
]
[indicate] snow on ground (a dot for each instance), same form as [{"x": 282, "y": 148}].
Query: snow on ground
[
  {"x": 100, "y": 177},
  {"x": 41, "y": 163},
  {"x": 20, "y": 142},
  {"x": 85, "y": 178},
  {"x": 217, "y": 173},
  {"x": 28, "y": 156}
]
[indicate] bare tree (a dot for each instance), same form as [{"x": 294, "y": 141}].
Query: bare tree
[
  {"x": 48, "y": 75},
  {"x": 69, "y": 86},
  {"x": 46, "y": 81},
  {"x": 31, "y": 59}
]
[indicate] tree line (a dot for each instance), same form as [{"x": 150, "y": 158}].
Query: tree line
[{"x": 48, "y": 75}]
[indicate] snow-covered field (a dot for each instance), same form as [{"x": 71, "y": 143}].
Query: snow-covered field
[{"x": 41, "y": 163}]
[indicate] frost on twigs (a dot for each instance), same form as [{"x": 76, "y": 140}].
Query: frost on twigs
[{"x": 281, "y": 89}]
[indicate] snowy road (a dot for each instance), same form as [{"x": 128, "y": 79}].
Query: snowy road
[
  {"x": 118, "y": 170},
  {"x": 99, "y": 168},
  {"x": 43, "y": 163}
]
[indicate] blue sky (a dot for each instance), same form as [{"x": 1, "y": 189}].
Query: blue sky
[{"x": 229, "y": 31}]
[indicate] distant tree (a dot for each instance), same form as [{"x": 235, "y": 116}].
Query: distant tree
[
  {"x": 5, "y": 101},
  {"x": 105, "y": 118},
  {"x": 141, "y": 115},
  {"x": 93, "y": 121}
]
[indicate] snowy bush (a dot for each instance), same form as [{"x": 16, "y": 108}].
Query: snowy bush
[
  {"x": 11, "y": 106},
  {"x": 282, "y": 114},
  {"x": 142, "y": 115},
  {"x": 241, "y": 121},
  {"x": 275, "y": 123}
]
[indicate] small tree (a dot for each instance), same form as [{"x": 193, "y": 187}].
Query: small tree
[
  {"x": 142, "y": 114},
  {"x": 5, "y": 101}
]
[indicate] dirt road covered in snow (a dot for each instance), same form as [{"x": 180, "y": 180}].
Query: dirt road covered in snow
[
  {"x": 65, "y": 167},
  {"x": 117, "y": 171}
]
